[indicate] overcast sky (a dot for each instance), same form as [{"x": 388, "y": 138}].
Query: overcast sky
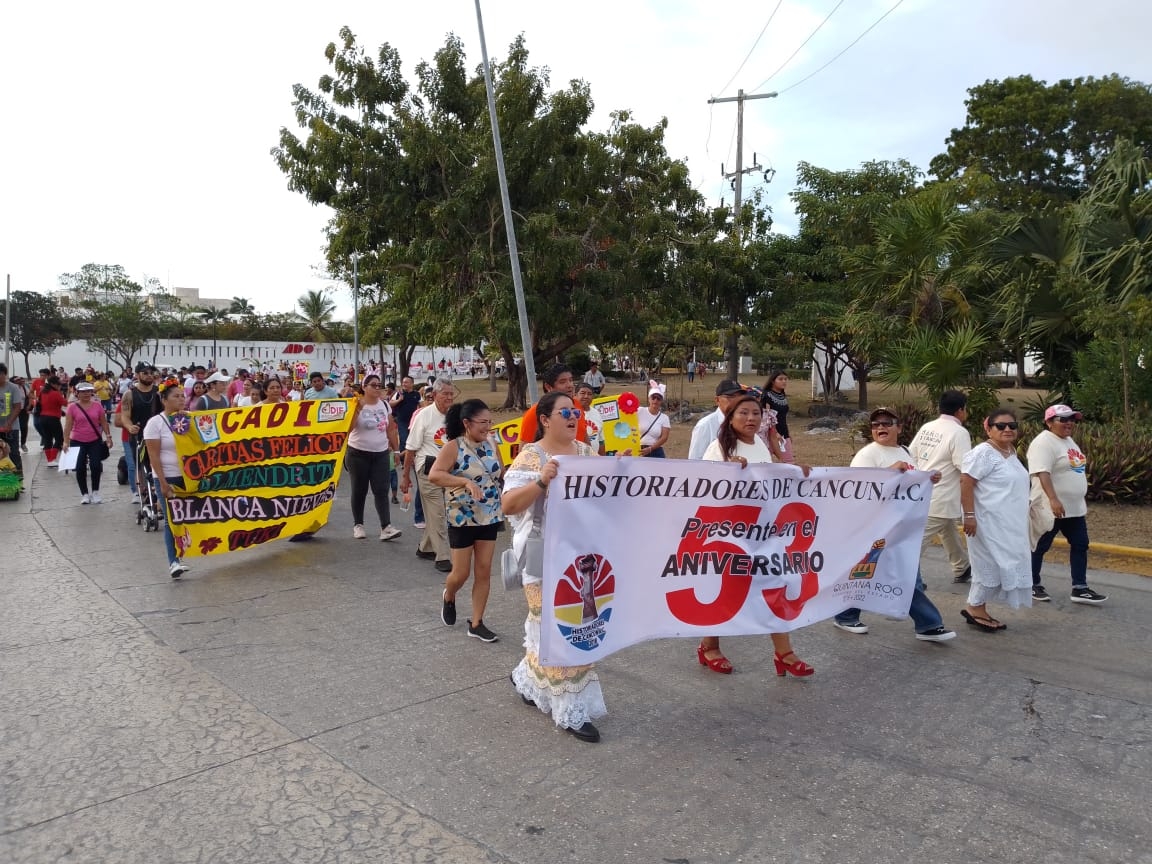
[{"x": 139, "y": 133}]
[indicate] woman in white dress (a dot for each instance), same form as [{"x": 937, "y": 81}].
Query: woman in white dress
[
  {"x": 571, "y": 694},
  {"x": 994, "y": 490},
  {"x": 739, "y": 441}
]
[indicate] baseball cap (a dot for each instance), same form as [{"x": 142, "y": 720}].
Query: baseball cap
[
  {"x": 728, "y": 387},
  {"x": 145, "y": 367},
  {"x": 1061, "y": 411},
  {"x": 876, "y": 412},
  {"x": 216, "y": 376}
]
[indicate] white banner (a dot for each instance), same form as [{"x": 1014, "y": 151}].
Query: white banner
[{"x": 639, "y": 549}]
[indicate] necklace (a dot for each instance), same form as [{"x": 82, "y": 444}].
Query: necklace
[{"x": 1002, "y": 451}]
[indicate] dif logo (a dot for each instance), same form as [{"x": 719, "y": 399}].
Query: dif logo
[
  {"x": 297, "y": 348},
  {"x": 329, "y": 412}
]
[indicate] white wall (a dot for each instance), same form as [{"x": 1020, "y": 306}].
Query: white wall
[{"x": 231, "y": 354}]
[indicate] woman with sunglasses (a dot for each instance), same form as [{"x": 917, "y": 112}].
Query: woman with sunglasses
[
  {"x": 371, "y": 444},
  {"x": 571, "y": 694},
  {"x": 1060, "y": 477},
  {"x": 469, "y": 470},
  {"x": 994, "y": 500},
  {"x": 738, "y": 440}
]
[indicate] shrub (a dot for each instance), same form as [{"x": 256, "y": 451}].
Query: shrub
[
  {"x": 1119, "y": 463},
  {"x": 1098, "y": 391}
]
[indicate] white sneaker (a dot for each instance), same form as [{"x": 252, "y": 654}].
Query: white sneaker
[
  {"x": 857, "y": 627},
  {"x": 390, "y": 533},
  {"x": 96, "y": 499},
  {"x": 177, "y": 569},
  {"x": 358, "y": 532},
  {"x": 84, "y": 499},
  {"x": 52, "y": 465},
  {"x": 135, "y": 497}
]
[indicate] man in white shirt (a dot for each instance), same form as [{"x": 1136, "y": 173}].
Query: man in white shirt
[
  {"x": 1059, "y": 472},
  {"x": 708, "y": 426},
  {"x": 886, "y": 452},
  {"x": 425, "y": 438},
  {"x": 594, "y": 377},
  {"x": 940, "y": 445}
]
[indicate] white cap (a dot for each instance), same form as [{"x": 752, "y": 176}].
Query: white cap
[{"x": 216, "y": 376}]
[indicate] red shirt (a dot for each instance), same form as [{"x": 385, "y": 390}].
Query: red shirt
[{"x": 52, "y": 403}]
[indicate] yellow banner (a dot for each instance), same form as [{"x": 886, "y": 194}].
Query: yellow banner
[
  {"x": 612, "y": 421},
  {"x": 256, "y": 474}
]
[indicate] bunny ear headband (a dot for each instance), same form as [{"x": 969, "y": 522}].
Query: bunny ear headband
[{"x": 657, "y": 388}]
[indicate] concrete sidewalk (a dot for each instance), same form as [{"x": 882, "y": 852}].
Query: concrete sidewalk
[{"x": 304, "y": 703}]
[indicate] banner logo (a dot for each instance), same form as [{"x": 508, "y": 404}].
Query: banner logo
[
  {"x": 332, "y": 411},
  {"x": 865, "y": 568},
  {"x": 582, "y": 601},
  {"x": 206, "y": 426}
]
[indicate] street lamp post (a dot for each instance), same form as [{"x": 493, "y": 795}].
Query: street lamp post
[{"x": 355, "y": 317}]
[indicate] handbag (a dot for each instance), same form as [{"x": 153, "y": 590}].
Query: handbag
[{"x": 102, "y": 449}]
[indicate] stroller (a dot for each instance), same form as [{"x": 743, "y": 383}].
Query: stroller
[{"x": 151, "y": 510}]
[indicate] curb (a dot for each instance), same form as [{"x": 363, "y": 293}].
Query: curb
[{"x": 1110, "y": 549}]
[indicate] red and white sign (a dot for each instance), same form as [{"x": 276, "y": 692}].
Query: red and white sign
[{"x": 639, "y": 549}]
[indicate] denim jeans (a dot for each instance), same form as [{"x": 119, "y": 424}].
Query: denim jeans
[
  {"x": 1075, "y": 531},
  {"x": 130, "y": 461},
  {"x": 923, "y": 612},
  {"x": 162, "y": 508},
  {"x": 12, "y": 436}
]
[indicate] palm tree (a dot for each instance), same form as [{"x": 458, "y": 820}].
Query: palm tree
[
  {"x": 241, "y": 306},
  {"x": 215, "y": 316},
  {"x": 315, "y": 313}
]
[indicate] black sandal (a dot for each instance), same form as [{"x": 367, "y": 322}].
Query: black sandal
[{"x": 988, "y": 625}]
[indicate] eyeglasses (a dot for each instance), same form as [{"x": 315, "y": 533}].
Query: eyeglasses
[
  {"x": 1003, "y": 426},
  {"x": 568, "y": 413},
  {"x": 373, "y": 384},
  {"x": 1065, "y": 419},
  {"x": 882, "y": 424}
]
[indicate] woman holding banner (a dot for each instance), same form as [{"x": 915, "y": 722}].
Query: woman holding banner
[
  {"x": 469, "y": 470},
  {"x": 371, "y": 444},
  {"x": 739, "y": 441},
  {"x": 571, "y": 694},
  {"x": 165, "y": 462}
]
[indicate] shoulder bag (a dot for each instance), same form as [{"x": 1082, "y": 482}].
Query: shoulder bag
[{"x": 101, "y": 445}]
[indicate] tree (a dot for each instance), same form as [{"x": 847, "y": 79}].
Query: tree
[
  {"x": 839, "y": 212},
  {"x": 117, "y": 315},
  {"x": 1026, "y": 143},
  {"x": 242, "y": 307},
  {"x": 315, "y": 313},
  {"x": 411, "y": 178},
  {"x": 37, "y": 326}
]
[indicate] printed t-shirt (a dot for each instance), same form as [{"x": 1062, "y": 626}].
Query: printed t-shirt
[
  {"x": 370, "y": 431},
  {"x": 426, "y": 435},
  {"x": 941, "y": 445},
  {"x": 1065, "y": 462}
]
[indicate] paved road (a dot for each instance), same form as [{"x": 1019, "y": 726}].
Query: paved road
[{"x": 304, "y": 703}]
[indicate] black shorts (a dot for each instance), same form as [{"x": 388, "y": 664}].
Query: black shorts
[{"x": 465, "y": 536}]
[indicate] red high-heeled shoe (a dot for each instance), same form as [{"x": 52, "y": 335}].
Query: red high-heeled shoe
[
  {"x": 716, "y": 664},
  {"x": 797, "y": 667}
]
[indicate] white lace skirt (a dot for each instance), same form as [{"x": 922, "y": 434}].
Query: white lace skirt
[{"x": 571, "y": 694}]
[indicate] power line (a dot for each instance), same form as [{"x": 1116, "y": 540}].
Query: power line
[
  {"x": 845, "y": 50},
  {"x": 763, "y": 30},
  {"x": 802, "y": 44}
]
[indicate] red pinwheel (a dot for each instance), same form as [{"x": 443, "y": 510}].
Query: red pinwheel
[{"x": 628, "y": 403}]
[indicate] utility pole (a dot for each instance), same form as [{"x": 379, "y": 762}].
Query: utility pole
[
  {"x": 731, "y": 347},
  {"x": 356, "y": 318}
]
